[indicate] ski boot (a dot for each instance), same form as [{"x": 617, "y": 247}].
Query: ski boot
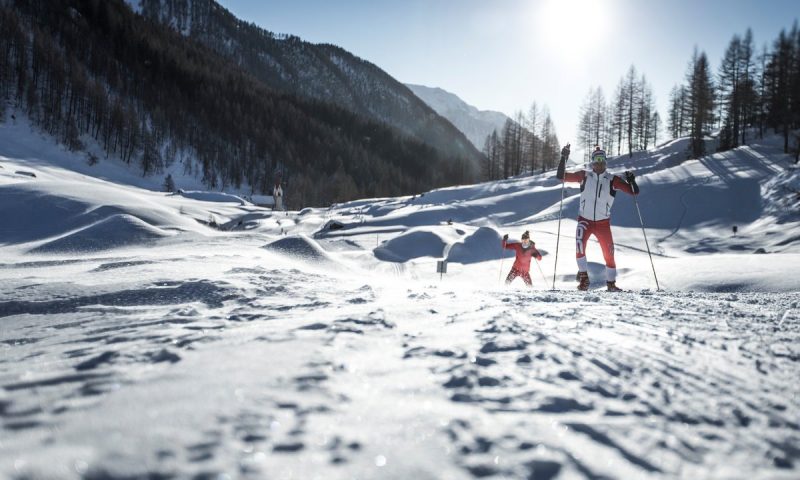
[
  {"x": 583, "y": 278},
  {"x": 612, "y": 287}
]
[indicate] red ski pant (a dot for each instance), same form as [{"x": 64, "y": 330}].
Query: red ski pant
[
  {"x": 514, "y": 273},
  {"x": 601, "y": 229}
]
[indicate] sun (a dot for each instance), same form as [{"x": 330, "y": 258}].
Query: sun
[{"x": 572, "y": 29}]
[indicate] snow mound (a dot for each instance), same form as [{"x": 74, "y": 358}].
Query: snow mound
[
  {"x": 301, "y": 246},
  {"x": 219, "y": 197},
  {"x": 480, "y": 246},
  {"x": 414, "y": 243},
  {"x": 116, "y": 231}
]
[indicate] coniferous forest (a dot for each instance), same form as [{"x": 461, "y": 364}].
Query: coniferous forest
[
  {"x": 752, "y": 92},
  {"x": 146, "y": 93}
]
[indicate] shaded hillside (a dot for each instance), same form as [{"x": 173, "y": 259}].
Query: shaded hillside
[
  {"x": 89, "y": 69},
  {"x": 319, "y": 71}
]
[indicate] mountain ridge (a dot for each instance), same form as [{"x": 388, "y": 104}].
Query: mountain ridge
[
  {"x": 474, "y": 123},
  {"x": 320, "y": 71}
]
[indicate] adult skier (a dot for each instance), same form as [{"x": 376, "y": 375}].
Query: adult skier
[
  {"x": 598, "y": 189},
  {"x": 525, "y": 250}
]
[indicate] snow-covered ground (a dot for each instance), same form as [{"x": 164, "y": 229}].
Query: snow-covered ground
[{"x": 139, "y": 342}]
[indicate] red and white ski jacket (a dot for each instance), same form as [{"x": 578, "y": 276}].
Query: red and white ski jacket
[
  {"x": 598, "y": 192},
  {"x": 522, "y": 263}
]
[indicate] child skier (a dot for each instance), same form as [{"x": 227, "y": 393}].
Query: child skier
[
  {"x": 598, "y": 189},
  {"x": 522, "y": 263}
]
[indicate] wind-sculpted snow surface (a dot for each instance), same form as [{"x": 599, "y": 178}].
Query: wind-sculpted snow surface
[
  {"x": 248, "y": 366},
  {"x": 223, "y": 341}
]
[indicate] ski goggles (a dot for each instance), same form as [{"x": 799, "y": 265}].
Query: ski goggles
[{"x": 598, "y": 158}]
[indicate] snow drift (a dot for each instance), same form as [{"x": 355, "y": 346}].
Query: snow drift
[
  {"x": 480, "y": 246},
  {"x": 412, "y": 244},
  {"x": 303, "y": 248},
  {"x": 116, "y": 231}
]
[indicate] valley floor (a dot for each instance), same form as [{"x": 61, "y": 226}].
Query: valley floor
[
  {"x": 222, "y": 360},
  {"x": 195, "y": 335}
]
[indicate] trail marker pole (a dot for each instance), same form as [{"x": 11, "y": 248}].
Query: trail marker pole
[{"x": 441, "y": 268}]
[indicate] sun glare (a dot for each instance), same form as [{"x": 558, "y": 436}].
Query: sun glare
[{"x": 572, "y": 29}]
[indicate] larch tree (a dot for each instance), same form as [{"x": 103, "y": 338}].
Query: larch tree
[{"x": 700, "y": 102}]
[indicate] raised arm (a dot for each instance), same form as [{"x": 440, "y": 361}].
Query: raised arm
[
  {"x": 561, "y": 173},
  {"x": 569, "y": 176},
  {"x": 628, "y": 185},
  {"x": 508, "y": 246}
]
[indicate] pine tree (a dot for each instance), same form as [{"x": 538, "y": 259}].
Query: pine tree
[
  {"x": 550, "y": 146},
  {"x": 592, "y": 124},
  {"x": 729, "y": 85},
  {"x": 490, "y": 152},
  {"x": 644, "y": 117},
  {"x": 747, "y": 89},
  {"x": 619, "y": 114},
  {"x": 794, "y": 87},
  {"x": 655, "y": 120},
  {"x": 700, "y": 102},
  {"x": 533, "y": 126},
  {"x": 609, "y": 135},
  {"x": 632, "y": 95},
  {"x": 778, "y": 85}
]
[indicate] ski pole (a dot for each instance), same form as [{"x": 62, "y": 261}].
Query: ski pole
[
  {"x": 641, "y": 222},
  {"x": 542, "y": 272},
  {"x": 560, "y": 207},
  {"x": 502, "y": 258},
  {"x": 558, "y": 234}
]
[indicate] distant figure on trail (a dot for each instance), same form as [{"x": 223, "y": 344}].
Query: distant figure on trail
[
  {"x": 277, "y": 195},
  {"x": 598, "y": 189},
  {"x": 522, "y": 263}
]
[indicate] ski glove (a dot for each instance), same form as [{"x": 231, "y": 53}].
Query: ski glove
[
  {"x": 562, "y": 163},
  {"x": 631, "y": 179}
]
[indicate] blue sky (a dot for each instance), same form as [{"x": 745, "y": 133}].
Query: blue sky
[{"x": 504, "y": 54}]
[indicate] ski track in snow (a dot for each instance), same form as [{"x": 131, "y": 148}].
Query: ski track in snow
[{"x": 256, "y": 371}]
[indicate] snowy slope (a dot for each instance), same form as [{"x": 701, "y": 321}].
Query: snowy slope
[
  {"x": 475, "y": 124},
  {"x": 139, "y": 342}
]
